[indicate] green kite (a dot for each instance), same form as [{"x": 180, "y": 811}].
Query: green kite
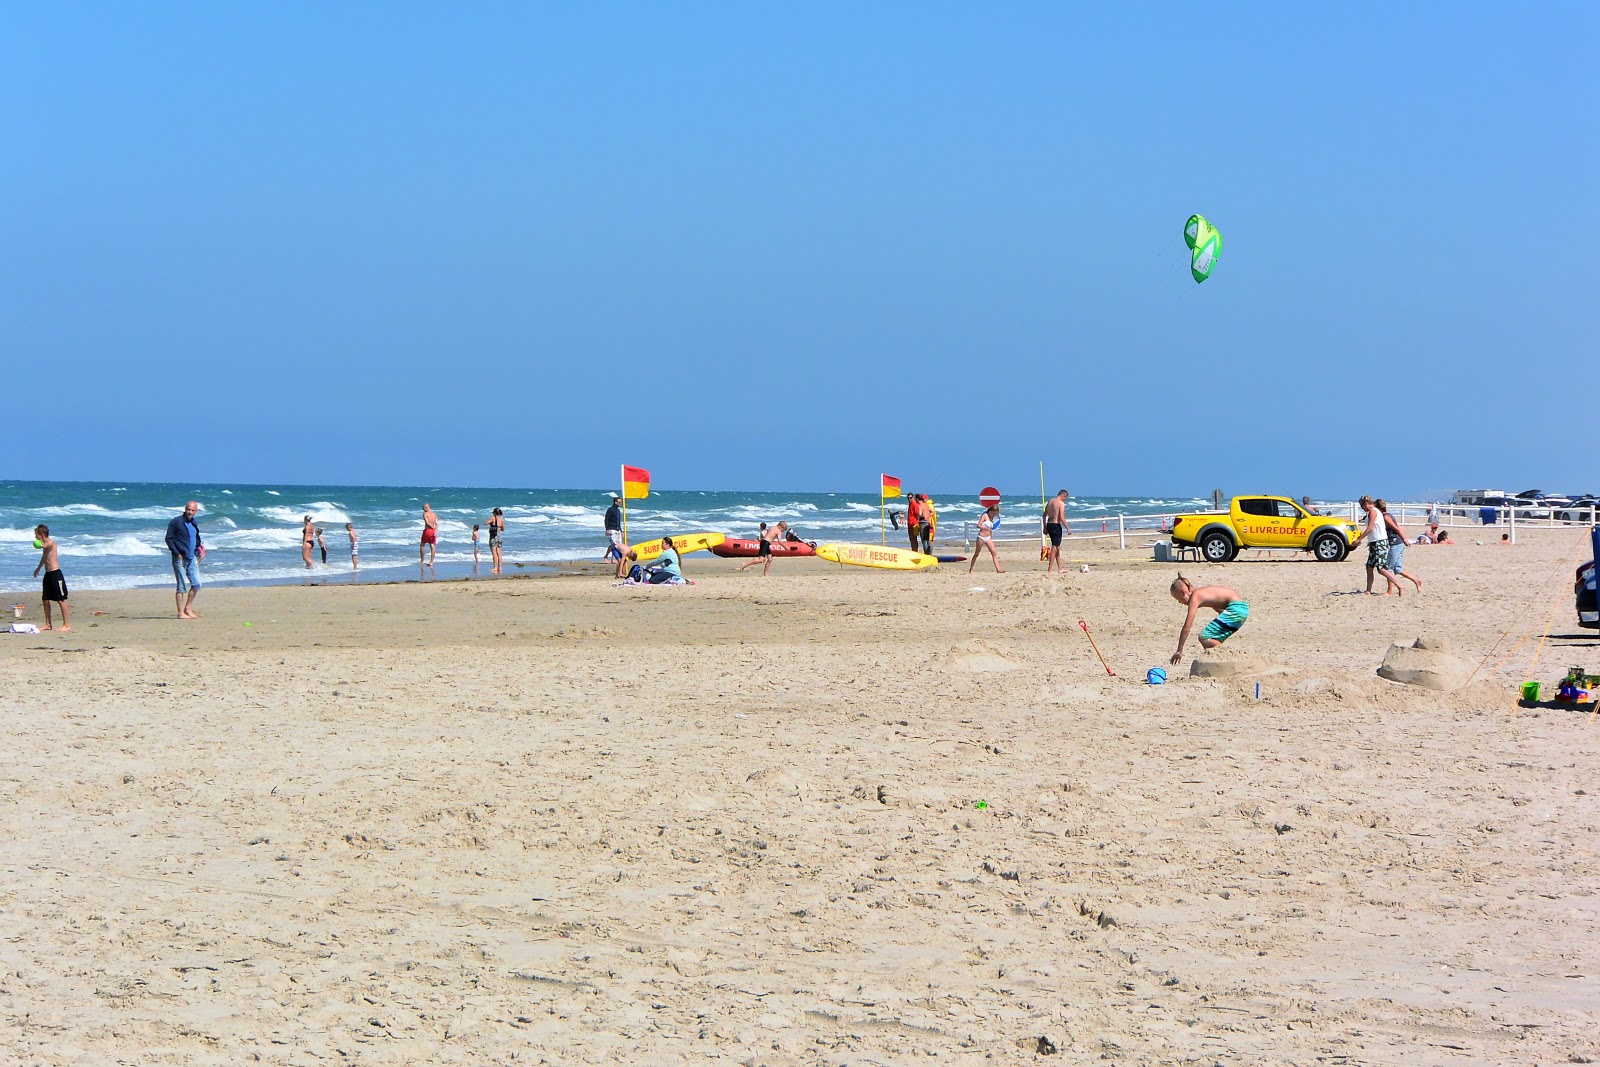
[{"x": 1205, "y": 245}]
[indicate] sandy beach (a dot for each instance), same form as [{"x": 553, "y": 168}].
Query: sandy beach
[{"x": 829, "y": 816}]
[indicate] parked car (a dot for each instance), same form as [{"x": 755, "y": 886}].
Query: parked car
[
  {"x": 1580, "y": 510},
  {"x": 1265, "y": 522},
  {"x": 1583, "y": 590}
]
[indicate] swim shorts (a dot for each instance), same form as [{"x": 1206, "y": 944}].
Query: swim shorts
[
  {"x": 1227, "y": 622},
  {"x": 1378, "y": 555},
  {"x": 615, "y": 536},
  {"x": 430, "y": 536},
  {"x": 763, "y": 548},
  {"x": 1053, "y": 531},
  {"x": 55, "y": 586}
]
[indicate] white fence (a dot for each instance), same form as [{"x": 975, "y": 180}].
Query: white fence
[{"x": 1419, "y": 515}]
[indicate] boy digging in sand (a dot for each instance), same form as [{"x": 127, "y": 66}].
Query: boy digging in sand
[
  {"x": 55, "y": 583},
  {"x": 1231, "y": 609}
]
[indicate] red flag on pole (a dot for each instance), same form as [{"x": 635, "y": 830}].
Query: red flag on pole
[
  {"x": 635, "y": 483},
  {"x": 891, "y": 487}
]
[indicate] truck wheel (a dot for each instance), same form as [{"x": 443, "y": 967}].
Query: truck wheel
[
  {"x": 1217, "y": 547},
  {"x": 1328, "y": 547}
]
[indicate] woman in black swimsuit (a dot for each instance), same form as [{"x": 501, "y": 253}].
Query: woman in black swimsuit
[{"x": 497, "y": 528}]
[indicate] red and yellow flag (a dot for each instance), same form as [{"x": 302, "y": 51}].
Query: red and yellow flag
[
  {"x": 635, "y": 483},
  {"x": 891, "y": 487}
]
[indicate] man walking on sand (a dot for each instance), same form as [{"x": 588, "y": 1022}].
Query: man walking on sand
[
  {"x": 183, "y": 541},
  {"x": 1376, "y": 535},
  {"x": 430, "y": 534},
  {"x": 616, "y": 546},
  {"x": 1055, "y": 524},
  {"x": 55, "y": 583}
]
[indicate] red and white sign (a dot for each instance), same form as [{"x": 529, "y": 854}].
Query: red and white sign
[{"x": 989, "y": 496}]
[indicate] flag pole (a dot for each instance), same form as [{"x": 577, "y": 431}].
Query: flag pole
[
  {"x": 622, "y": 480},
  {"x": 1042, "y": 506},
  {"x": 883, "y": 515}
]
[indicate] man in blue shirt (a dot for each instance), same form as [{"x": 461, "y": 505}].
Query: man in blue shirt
[{"x": 183, "y": 541}]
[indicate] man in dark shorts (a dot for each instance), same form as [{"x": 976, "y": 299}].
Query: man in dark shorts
[
  {"x": 55, "y": 583},
  {"x": 1055, "y": 523},
  {"x": 763, "y": 551}
]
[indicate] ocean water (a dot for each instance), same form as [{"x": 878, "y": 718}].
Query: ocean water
[{"x": 112, "y": 535}]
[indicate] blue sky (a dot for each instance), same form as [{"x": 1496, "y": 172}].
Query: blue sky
[{"x": 764, "y": 247}]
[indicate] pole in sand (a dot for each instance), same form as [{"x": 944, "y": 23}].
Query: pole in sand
[
  {"x": 1044, "y": 542},
  {"x": 1096, "y": 648}
]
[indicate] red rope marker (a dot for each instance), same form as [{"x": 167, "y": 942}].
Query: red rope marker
[{"x": 1096, "y": 648}]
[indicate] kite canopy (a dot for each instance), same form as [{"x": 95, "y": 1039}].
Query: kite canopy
[{"x": 1205, "y": 245}]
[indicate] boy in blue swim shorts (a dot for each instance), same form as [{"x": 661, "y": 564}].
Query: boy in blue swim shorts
[{"x": 1231, "y": 609}]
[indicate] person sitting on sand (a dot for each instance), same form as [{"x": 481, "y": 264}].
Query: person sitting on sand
[
  {"x": 1443, "y": 537},
  {"x": 1231, "y": 608},
  {"x": 668, "y": 567}
]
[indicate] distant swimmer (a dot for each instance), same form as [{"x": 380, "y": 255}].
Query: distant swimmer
[
  {"x": 430, "y": 535},
  {"x": 55, "y": 583},
  {"x": 1055, "y": 525},
  {"x": 986, "y": 539},
  {"x": 1231, "y": 609},
  {"x": 308, "y": 537}
]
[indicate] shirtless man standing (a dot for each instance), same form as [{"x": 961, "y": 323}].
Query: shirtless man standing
[
  {"x": 1231, "y": 609},
  {"x": 430, "y": 535},
  {"x": 55, "y": 583},
  {"x": 1055, "y": 523}
]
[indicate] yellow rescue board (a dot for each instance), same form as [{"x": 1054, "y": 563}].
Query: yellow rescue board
[
  {"x": 684, "y": 543},
  {"x": 884, "y": 558}
]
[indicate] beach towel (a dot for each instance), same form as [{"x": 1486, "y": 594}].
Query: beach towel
[{"x": 23, "y": 628}]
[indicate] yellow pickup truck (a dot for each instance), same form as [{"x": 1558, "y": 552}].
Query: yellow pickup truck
[{"x": 1265, "y": 522}]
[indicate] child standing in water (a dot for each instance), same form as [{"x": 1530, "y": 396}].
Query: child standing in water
[
  {"x": 323, "y": 545},
  {"x": 474, "y": 544},
  {"x": 355, "y": 551},
  {"x": 1231, "y": 609}
]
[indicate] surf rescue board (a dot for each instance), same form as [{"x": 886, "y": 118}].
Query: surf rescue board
[
  {"x": 879, "y": 556},
  {"x": 684, "y": 543}
]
